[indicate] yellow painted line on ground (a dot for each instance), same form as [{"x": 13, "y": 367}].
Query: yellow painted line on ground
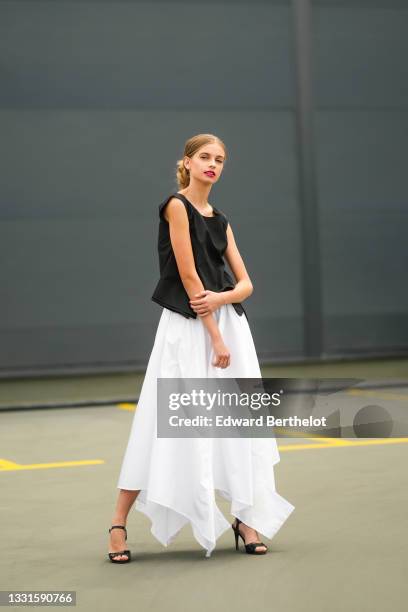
[
  {"x": 304, "y": 436},
  {"x": 379, "y": 394},
  {"x": 366, "y": 442},
  {"x": 125, "y": 406},
  {"x": 331, "y": 441},
  {"x": 294, "y": 447},
  {"x": 7, "y": 466}
]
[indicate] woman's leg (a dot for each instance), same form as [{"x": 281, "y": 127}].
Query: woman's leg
[{"x": 124, "y": 503}]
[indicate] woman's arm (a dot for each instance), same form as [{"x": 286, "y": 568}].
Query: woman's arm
[
  {"x": 176, "y": 215},
  {"x": 244, "y": 287}
]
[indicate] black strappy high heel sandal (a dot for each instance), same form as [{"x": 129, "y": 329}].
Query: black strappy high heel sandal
[
  {"x": 252, "y": 546},
  {"x": 121, "y": 552}
]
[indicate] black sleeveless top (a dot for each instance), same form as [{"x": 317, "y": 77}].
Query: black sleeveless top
[{"x": 209, "y": 242}]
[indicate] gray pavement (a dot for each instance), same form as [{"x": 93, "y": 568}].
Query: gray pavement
[{"x": 343, "y": 548}]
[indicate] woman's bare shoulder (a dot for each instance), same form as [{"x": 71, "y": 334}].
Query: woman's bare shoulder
[{"x": 173, "y": 204}]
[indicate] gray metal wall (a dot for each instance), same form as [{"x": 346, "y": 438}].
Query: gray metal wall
[{"x": 97, "y": 99}]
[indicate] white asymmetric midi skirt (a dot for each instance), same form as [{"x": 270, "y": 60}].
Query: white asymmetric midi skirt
[{"x": 178, "y": 477}]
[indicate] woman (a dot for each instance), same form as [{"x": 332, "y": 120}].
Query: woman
[{"x": 203, "y": 332}]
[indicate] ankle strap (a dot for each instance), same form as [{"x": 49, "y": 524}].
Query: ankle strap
[{"x": 117, "y": 527}]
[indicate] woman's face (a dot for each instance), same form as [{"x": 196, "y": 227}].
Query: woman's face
[{"x": 207, "y": 163}]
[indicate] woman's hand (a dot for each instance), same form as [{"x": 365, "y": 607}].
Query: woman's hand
[
  {"x": 205, "y": 302},
  {"x": 222, "y": 354}
]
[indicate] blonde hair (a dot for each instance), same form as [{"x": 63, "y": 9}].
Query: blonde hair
[{"x": 190, "y": 148}]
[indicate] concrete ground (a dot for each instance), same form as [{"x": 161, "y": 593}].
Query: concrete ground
[{"x": 343, "y": 548}]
